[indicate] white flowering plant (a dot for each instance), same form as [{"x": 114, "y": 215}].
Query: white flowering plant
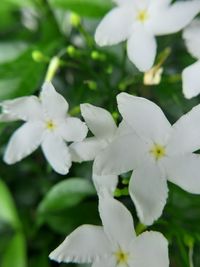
[{"x": 100, "y": 133}]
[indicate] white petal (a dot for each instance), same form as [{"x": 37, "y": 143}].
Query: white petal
[
  {"x": 105, "y": 182},
  {"x": 84, "y": 245},
  {"x": 141, "y": 48},
  {"x": 24, "y": 108},
  {"x": 150, "y": 249},
  {"x": 145, "y": 117},
  {"x": 99, "y": 121},
  {"x": 54, "y": 103},
  {"x": 185, "y": 135},
  {"x": 5, "y": 117},
  {"x": 191, "y": 36},
  {"x": 73, "y": 130},
  {"x": 184, "y": 172},
  {"x": 87, "y": 149},
  {"x": 175, "y": 17},
  {"x": 124, "y": 2},
  {"x": 115, "y": 26},
  {"x": 117, "y": 221},
  {"x": 148, "y": 190},
  {"x": 191, "y": 80},
  {"x": 109, "y": 261},
  {"x": 56, "y": 153},
  {"x": 23, "y": 142},
  {"x": 122, "y": 155}
]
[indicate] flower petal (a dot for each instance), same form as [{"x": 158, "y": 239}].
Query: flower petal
[
  {"x": 117, "y": 221},
  {"x": 185, "y": 135},
  {"x": 5, "y": 117},
  {"x": 141, "y": 48},
  {"x": 192, "y": 40},
  {"x": 191, "y": 80},
  {"x": 24, "y": 108},
  {"x": 109, "y": 261},
  {"x": 84, "y": 245},
  {"x": 99, "y": 121},
  {"x": 73, "y": 130},
  {"x": 54, "y": 103},
  {"x": 175, "y": 17},
  {"x": 148, "y": 190},
  {"x": 150, "y": 249},
  {"x": 56, "y": 153},
  {"x": 105, "y": 182},
  {"x": 184, "y": 172},
  {"x": 122, "y": 155},
  {"x": 145, "y": 117},
  {"x": 23, "y": 142},
  {"x": 87, "y": 149},
  {"x": 115, "y": 26}
]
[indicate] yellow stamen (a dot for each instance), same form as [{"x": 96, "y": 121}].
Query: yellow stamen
[
  {"x": 50, "y": 125},
  {"x": 158, "y": 151},
  {"x": 122, "y": 257},
  {"x": 142, "y": 15}
]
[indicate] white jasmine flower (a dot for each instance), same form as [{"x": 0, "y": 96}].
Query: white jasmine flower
[
  {"x": 139, "y": 21},
  {"x": 102, "y": 125},
  {"x": 191, "y": 74},
  {"x": 115, "y": 244},
  {"x": 46, "y": 124},
  {"x": 164, "y": 152}
]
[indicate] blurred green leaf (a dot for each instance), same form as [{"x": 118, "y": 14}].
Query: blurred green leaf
[
  {"x": 66, "y": 194},
  {"x": 16, "y": 247},
  {"x": 88, "y": 8}
]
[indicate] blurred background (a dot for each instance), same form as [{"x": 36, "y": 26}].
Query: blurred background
[{"x": 38, "y": 207}]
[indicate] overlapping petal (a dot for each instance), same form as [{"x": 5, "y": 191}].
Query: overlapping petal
[
  {"x": 23, "y": 142},
  {"x": 87, "y": 149},
  {"x": 117, "y": 221},
  {"x": 54, "y": 104},
  {"x": 148, "y": 190},
  {"x": 73, "y": 130},
  {"x": 115, "y": 26},
  {"x": 150, "y": 249},
  {"x": 184, "y": 172},
  {"x": 85, "y": 245},
  {"x": 141, "y": 48},
  {"x": 191, "y": 80},
  {"x": 185, "y": 135},
  {"x": 99, "y": 121},
  {"x": 105, "y": 182},
  {"x": 175, "y": 17},
  {"x": 145, "y": 117},
  {"x": 122, "y": 155},
  {"x": 57, "y": 153}
]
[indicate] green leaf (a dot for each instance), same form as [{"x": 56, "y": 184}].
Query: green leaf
[
  {"x": 88, "y": 8},
  {"x": 66, "y": 194},
  {"x": 15, "y": 249},
  {"x": 15, "y": 253}
]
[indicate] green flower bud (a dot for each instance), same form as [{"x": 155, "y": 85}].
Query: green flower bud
[{"x": 75, "y": 20}]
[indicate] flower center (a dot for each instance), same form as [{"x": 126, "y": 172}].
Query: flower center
[
  {"x": 122, "y": 257},
  {"x": 158, "y": 151},
  {"x": 50, "y": 125},
  {"x": 142, "y": 15}
]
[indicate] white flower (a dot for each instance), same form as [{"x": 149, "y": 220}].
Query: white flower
[
  {"x": 102, "y": 125},
  {"x": 164, "y": 152},
  {"x": 191, "y": 74},
  {"x": 46, "y": 124},
  {"x": 139, "y": 21},
  {"x": 115, "y": 244}
]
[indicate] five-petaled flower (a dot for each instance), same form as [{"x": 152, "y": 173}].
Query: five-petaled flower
[
  {"x": 115, "y": 244},
  {"x": 158, "y": 153},
  {"x": 191, "y": 74},
  {"x": 139, "y": 21},
  {"x": 46, "y": 124}
]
